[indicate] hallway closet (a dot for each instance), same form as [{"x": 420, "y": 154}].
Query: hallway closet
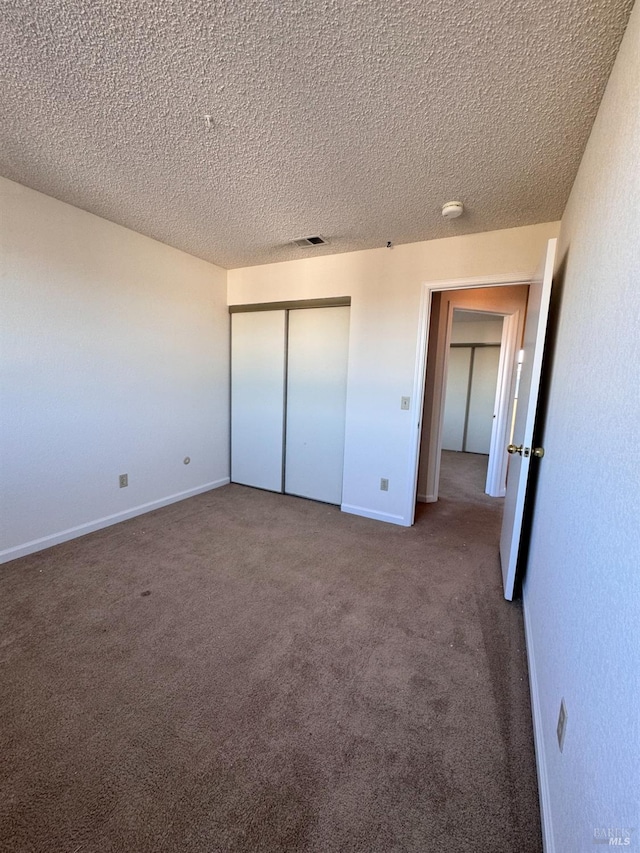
[{"x": 472, "y": 377}]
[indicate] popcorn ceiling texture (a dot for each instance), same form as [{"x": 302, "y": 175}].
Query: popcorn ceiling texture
[{"x": 355, "y": 120}]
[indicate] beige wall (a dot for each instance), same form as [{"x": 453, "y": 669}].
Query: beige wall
[
  {"x": 115, "y": 359},
  {"x": 488, "y": 331},
  {"x": 386, "y": 287}
]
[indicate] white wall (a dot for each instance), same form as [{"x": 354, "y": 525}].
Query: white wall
[
  {"x": 481, "y": 331},
  {"x": 385, "y": 286},
  {"x": 582, "y": 592},
  {"x": 114, "y": 352}
]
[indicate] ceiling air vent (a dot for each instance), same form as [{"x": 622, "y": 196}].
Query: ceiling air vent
[{"x": 305, "y": 242}]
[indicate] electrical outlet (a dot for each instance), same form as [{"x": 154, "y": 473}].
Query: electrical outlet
[
  {"x": 562, "y": 724},
  {"x": 384, "y": 484},
  {"x": 405, "y": 403},
  {"x": 124, "y": 480}
]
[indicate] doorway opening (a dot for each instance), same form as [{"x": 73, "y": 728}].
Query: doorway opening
[
  {"x": 436, "y": 314},
  {"x": 471, "y": 401},
  {"x": 478, "y": 417}
]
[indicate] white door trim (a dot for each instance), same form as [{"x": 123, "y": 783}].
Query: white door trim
[
  {"x": 427, "y": 291},
  {"x": 497, "y": 467}
]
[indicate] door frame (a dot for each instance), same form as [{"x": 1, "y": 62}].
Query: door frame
[
  {"x": 497, "y": 468},
  {"x": 496, "y": 478},
  {"x": 426, "y": 296}
]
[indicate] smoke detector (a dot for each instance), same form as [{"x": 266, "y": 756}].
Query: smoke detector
[
  {"x": 452, "y": 209},
  {"x": 305, "y": 242}
]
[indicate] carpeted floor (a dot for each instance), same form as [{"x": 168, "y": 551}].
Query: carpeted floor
[{"x": 251, "y": 672}]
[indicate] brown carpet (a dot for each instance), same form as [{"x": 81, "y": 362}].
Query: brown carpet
[{"x": 251, "y": 672}]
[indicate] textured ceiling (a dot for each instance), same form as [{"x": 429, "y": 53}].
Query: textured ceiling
[{"x": 354, "y": 119}]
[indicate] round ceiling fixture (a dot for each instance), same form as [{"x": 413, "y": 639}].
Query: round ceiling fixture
[{"x": 452, "y": 209}]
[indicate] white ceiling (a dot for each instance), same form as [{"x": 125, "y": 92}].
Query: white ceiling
[{"x": 353, "y": 119}]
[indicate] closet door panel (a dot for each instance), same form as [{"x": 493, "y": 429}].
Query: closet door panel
[
  {"x": 482, "y": 399},
  {"x": 455, "y": 401},
  {"x": 257, "y": 398},
  {"x": 316, "y": 398}
]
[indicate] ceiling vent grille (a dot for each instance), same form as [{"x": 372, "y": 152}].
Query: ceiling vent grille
[{"x": 305, "y": 242}]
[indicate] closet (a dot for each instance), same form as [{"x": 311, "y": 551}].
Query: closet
[
  {"x": 471, "y": 384},
  {"x": 288, "y": 396}
]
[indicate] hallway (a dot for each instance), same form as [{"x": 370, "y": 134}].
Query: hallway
[{"x": 462, "y": 478}]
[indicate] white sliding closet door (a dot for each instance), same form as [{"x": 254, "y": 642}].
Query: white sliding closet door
[
  {"x": 482, "y": 399},
  {"x": 470, "y": 401},
  {"x": 316, "y": 398},
  {"x": 455, "y": 401},
  {"x": 257, "y": 395}
]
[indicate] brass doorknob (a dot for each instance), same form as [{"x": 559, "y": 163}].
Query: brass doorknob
[{"x": 525, "y": 451}]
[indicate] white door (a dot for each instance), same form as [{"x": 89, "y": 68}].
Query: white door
[
  {"x": 518, "y": 472},
  {"x": 257, "y": 398},
  {"x": 316, "y": 400}
]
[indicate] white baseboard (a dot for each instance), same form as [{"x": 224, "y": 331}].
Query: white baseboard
[
  {"x": 91, "y": 526},
  {"x": 541, "y": 761},
  {"x": 377, "y": 516}
]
